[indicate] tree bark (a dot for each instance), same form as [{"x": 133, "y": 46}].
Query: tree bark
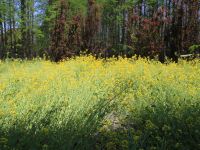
[
  {"x": 23, "y": 29},
  {"x": 2, "y": 37}
]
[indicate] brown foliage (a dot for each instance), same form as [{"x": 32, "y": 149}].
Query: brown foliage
[
  {"x": 92, "y": 26},
  {"x": 58, "y": 49}
]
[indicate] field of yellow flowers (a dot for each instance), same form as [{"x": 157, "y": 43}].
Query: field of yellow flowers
[{"x": 85, "y": 103}]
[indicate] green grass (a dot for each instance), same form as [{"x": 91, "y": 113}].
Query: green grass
[{"x": 85, "y": 103}]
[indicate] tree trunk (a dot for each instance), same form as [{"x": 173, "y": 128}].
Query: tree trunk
[
  {"x": 14, "y": 31},
  {"x": 2, "y": 37},
  {"x": 10, "y": 28},
  {"x": 23, "y": 29}
]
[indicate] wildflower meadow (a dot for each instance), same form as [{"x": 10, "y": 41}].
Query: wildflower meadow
[{"x": 86, "y": 103}]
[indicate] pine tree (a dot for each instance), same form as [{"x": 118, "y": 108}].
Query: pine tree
[
  {"x": 58, "y": 48},
  {"x": 92, "y": 26}
]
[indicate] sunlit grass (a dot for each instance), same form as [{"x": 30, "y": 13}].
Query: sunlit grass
[{"x": 74, "y": 104}]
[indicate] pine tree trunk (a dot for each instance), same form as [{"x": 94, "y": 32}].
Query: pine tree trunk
[
  {"x": 14, "y": 31},
  {"x": 23, "y": 29},
  {"x": 5, "y": 33},
  {"x": 2, "y": 37},
  {"x": 10, "y": 28}
]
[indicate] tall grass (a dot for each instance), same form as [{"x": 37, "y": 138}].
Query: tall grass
[{"x": 85, "y": 103}]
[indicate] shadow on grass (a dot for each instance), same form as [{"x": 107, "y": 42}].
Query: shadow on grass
[
  {"x": 77, "y": 133},
  {"x": 159, "y": 126}
]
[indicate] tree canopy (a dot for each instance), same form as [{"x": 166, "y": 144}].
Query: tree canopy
[{"x": 64, "y": 28}]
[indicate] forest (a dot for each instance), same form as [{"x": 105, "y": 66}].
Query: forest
[
  {"x": 99, "y": 74},
  {"x": 60, "y": 29}
]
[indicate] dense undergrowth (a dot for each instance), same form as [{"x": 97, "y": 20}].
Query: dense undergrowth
[{"x": 85, "y": 103}]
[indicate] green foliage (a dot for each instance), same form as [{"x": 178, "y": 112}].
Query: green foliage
[
  {"x": 78, "y": 6},
  {"x": 194, "y": 48}
]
